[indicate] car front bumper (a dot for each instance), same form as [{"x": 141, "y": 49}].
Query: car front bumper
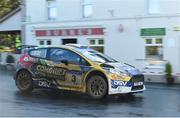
[
  {"x": 122, "y": 87},
  {"x": 124, "y": 90}
]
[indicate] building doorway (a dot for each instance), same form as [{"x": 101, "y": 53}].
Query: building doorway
[
  {"x": 154, "y": 48},
  {"x": 154, "y": 52},
  {"x": 67, "y": 41}
]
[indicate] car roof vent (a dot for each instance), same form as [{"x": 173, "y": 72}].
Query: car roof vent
[{"x": 76, "y": 45}]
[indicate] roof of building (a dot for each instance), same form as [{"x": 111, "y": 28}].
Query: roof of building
[{"x": 10, "y": 14}]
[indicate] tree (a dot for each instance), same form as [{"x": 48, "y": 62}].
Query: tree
[{"x": 7, "y": 6}]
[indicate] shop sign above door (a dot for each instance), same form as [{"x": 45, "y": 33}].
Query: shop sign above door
[
  {"x": 153, "y": 32},
  {"x": 70, "y": 32}
]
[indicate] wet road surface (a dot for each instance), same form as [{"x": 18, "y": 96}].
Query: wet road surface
[{"x": 157, "y": 100}]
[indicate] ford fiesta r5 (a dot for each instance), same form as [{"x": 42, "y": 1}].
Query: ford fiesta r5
[{"x": 76, "y": 68}]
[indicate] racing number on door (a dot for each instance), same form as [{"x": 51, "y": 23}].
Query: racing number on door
[{"x": 73, "y": 79}]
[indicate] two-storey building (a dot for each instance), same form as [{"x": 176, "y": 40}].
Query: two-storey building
[{"x": 144, "y": 33}]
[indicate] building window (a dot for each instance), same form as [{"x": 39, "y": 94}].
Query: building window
[
  {"x": 154, "y": 48},
  {"x": 41, "y": 42},
  {"x": 148, "y": 41},
  {"x": 159, "y": 41},
  {"x": 101, "y": 42},
  {"x": 92, "y": 42},
  {"x": 97, "y": 44},
  {"x": 51, "y": 9},
  {"x": 153, "y": 6},
  {"x": 48, "y": 42},
  {"x": 44, "y": 42},
  {"x": 87, "y": 8}
]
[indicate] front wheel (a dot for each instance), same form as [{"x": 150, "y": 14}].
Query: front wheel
[
  {"x": 24, "y": 81},
  {"x": 97, "y": 87}
]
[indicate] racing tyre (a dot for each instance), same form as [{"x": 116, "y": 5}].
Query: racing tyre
[
  {"x": 97, "y": 87},
  {"x": 24, "y": 82}
]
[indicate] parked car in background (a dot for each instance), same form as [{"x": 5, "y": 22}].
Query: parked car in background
[{"x": 77, "y": 68}]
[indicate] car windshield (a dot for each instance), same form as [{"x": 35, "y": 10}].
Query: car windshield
[{"x": 97, "y": 57}]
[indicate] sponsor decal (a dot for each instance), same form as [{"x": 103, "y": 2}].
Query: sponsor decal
[
  {"x": 116, "y": 83},
  {"x": 116, "y": 77},
  {"x": 44, "y": 84},
  {"x": 27, "y": 58},
  {"x": 75, "y": 72},
  {"x": 138, "y": 83},
  {"x": 27, "y": 61},
  {"x": 50, "y": 72}
]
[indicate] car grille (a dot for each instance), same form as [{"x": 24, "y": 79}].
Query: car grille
[
  {"x": 137, "y": 88},
  {"x": 137, "y": 78}
]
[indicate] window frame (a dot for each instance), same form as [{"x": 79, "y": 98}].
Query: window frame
[
  {"x": 80, "y": 61},
  {"x": 96, "y": 40},
  {"x": 148, "y": 2},
  {"x": 49, "y": 42},
  {"x": 96, "y": 45},
  {"x": 46, "y": 57},
  {"x": 84, "y": 4},
  {"x": 48, "y": 10},
  {"x": 153, "y": 44},
  {"x": 45, "y": 41},
  {"x": 42, "y": 41}
]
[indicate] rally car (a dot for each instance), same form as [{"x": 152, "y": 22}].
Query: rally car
[{"x": 77, "y": 68}]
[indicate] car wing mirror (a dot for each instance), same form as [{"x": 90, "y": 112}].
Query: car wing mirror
[{"x": 65, "y": 62}]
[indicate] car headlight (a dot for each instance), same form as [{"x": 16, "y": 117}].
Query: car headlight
[
  {"x": 124, "y": 74},
  {"x": 118, "y": 72},
  {"x": 114, "y": 71}
]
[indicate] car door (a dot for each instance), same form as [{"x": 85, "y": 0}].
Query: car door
[{"x": 71, "y": 63}]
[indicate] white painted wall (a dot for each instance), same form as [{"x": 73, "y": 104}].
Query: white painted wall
[
  {"x": 36, "y": 10},
  {"x": 12, "y": 23},
  {"x": 122, "y": 8},
  {"x": 170, "y": 6}
]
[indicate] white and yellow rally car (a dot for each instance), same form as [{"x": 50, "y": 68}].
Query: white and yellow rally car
[{"x": 77, "y": 68}]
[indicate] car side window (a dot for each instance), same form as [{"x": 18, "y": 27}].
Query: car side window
[
  {"x": 57, "y": 55},
  {"x": 40, "y": 53}
]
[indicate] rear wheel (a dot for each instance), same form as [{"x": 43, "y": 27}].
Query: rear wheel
[
  {"x": 24, "y": 81},
  {"x": 97, "y": 87}
]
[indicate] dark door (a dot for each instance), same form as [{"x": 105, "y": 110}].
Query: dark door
[
  {"x": 66, "y": 41},
  {"x": 74, "y": 70}
]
